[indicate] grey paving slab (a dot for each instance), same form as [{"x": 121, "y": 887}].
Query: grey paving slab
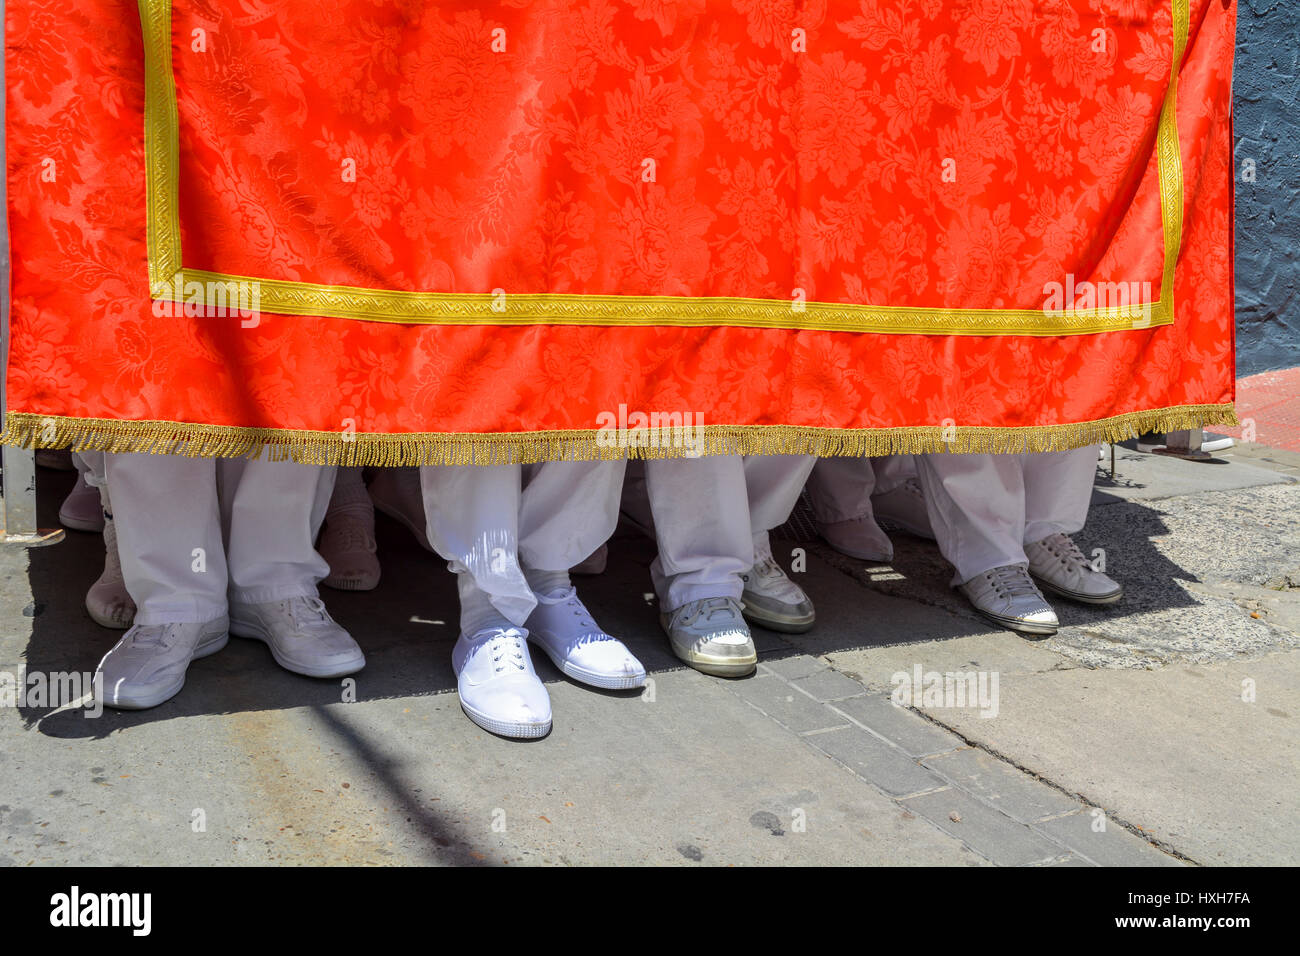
[
  {"x": 1002, "y": 785},
  {"x": 794, "y": 666},
  {"x": 778, "y": 700},
  {"x": 875, "y": 761},
  {"x": 988, "y": 832},
  {"x": 1103, "y": 841},
  {"x": 829, "y": 685},
  {"x": 912, "y": 732}
]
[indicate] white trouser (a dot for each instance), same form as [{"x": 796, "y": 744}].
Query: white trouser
[
  {"x": 483, "y": 519},
  {"x": 985, "y": 508},
  {"x": 841, "y": 488},
  {"x": 169, "y": 532},
  {"x": 271, "y": 514},
  {"x": 710, "y": 514}
]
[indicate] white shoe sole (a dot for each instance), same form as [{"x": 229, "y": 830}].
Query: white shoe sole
[
  {"x": 81, "y": 524},
  {"x": 256, "y": 632},
  {"x": 506, "y": 728},
  {"x": 1019, "y": 624},
  {"x": 351, "y": 584},
  {"x": 591, "y": 678},
  {"x": 156, "y": 697},
  {"x": 1080, "y": 596},
  {"x": 713, "y": 666},
  {"x": 782, "y": 623}
]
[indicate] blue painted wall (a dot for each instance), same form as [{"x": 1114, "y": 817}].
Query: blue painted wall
[{"x": 1266, "y": 88}]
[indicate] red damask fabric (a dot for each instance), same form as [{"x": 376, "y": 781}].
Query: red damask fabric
[{"x": 914, "y": 154}]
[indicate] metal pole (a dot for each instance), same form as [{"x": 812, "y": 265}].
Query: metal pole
[{"x": 19, "y": 464}]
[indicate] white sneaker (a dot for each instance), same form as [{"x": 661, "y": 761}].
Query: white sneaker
[
  {"x": 593, "y": 563},
  {"x": 1007, "y": 596},
  {"x": 302, "y": 636},
  {"x": 81, "y": 510},
  {"x": 904, "y": 506},
  {"x": 396, "y": 492},
  {"x": 107, "y": 601},
  {"x": 711, "y": 636},
  {"x": 859, "y": 538},
  {"x": 772, "y": 600},
  {"x": 147, "y": 666},
  {"x": 563, "y": 628},
  {"x": 498, "y": 687},
  {"x": 349, "y": 547},
  {"x": 1060, "y": 567}
]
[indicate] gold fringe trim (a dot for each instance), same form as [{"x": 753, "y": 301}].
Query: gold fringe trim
[{"x": 468, "y": 448}]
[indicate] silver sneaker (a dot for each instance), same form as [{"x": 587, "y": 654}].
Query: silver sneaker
[
  {"x": 711, "y": 636},
  {"x": 772, "y": 600},
  {"x": 1007, "y": 596},
  {"x": 1060, "y": 567},
  {"x": 147, "y": 666},
  {"x": 302, "y": 636},
  {"x": 904, "y": 507}
]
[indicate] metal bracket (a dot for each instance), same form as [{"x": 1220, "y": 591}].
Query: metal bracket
[{"x": 18, "y": 524}]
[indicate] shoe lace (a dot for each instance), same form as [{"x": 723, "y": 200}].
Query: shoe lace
[
  {"x": 506, "y": 651},
  {"x": 913, "y": 488},
  {"x": 766, "y": 567},
  {"x": 308, "y": 611},
  {"x": 1062, "y": 547},
  {"x": 152, "y": 635},
  {"x": 707, "y": 608},
  {"x": 1012, "y": 580}
]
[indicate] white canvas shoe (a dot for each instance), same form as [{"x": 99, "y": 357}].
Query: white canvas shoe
[
  {"x": 711, "y": 636},
  {"x": 904, "y": 506},
  {"x": 147, "y": 666},
  {"x": 302, "y": 636},
  {"x": 859, "y": 538},
  {"x": 349, "y": 548},
  {"x": 1007, "y": 596},
  {"x": 498, "y": 688},
  {"x": 107, "y": 601},
  {"x": 772, "y": 600},
  {"x": 562, "y": 627},
  {"x": 82, "y": 510},
  {"x": 1060, "y": 567}
]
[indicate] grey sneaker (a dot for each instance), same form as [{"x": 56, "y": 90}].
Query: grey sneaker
[
  {"x": 711, "y": 636},
  {"x": 302, "y": 636},
  {"x": 147, "y": 666},
  {"x": 904, "y": 507},
  {"x": 1060, "y": 567},
  {"x": 1007, "y": 596},
  {"x": 772, "y": 600}
]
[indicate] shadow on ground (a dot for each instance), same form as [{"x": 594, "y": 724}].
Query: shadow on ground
[{"x": 407, "y": 626}]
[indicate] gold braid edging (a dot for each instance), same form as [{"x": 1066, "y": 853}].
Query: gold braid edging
[{"x": 468, "y": 448}]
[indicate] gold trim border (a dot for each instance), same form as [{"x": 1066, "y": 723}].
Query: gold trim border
[
  {"x": 379, "y": 305},
  {"x": 473, "y": 448}
]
